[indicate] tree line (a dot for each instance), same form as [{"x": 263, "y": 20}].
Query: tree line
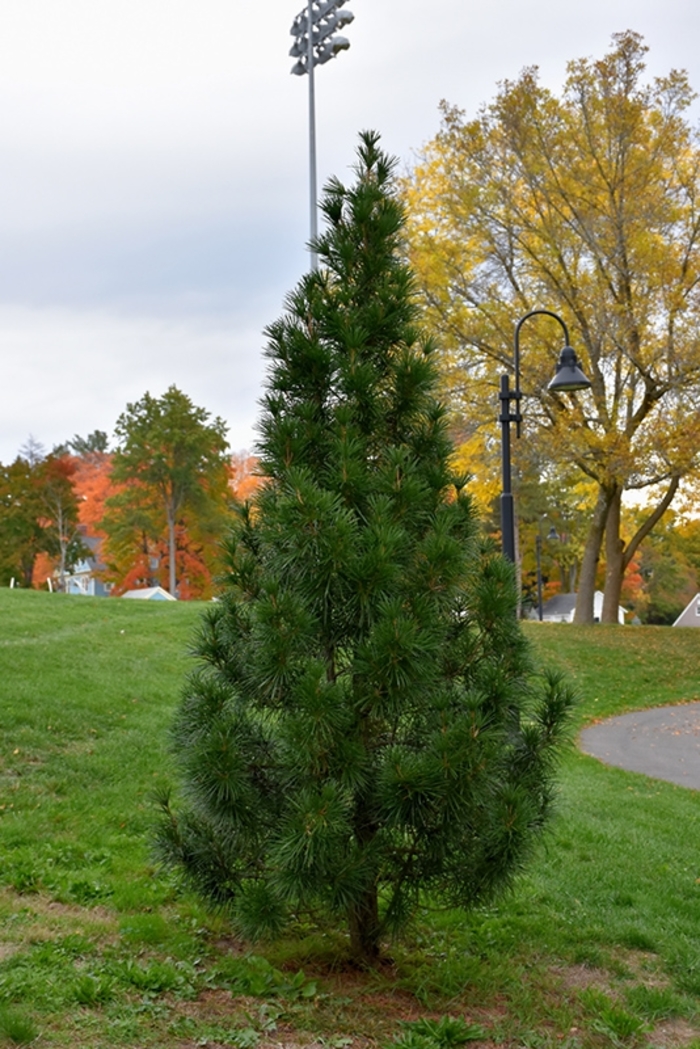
[
  {"x": 585, "y": 203},
  {"x": 153, "y": 510}
]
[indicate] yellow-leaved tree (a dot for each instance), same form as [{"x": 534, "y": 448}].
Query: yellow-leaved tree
[{"x": 587, "y": 203}]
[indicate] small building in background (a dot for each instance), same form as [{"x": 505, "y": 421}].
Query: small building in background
[
  {"x": 690, "y": 616},
  {"x": 86, "y": 575},
  {"x": 150, "y": 593},
  {"x": 561, "y": 608}
]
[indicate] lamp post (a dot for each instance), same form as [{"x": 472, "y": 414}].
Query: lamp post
[
  {"x": 567, "y": 379},
  {"x": 315, "y": 43},
  {"x": 552, "y": 534}
]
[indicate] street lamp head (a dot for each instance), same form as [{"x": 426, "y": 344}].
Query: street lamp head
[
  {"x": 553, "y": 534},
  {"x": 569, "y": 376}
]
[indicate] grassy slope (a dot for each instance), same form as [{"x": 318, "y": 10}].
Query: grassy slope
[
  {"x": 617, "y": 670},
  {"x": 88, "y": 686},
  {"x": 602, "y": 937}
]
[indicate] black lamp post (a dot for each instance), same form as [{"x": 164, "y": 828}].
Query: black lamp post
[
  {"x": 552, "y": 534},
  {"x": 568, "y": 378}
]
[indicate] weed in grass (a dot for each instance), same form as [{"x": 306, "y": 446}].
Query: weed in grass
[
  {"x": 445, "y": 1033},
  {"x": 636, "y": 939},
  {"x": 87, "y": 893},
  {"x": 253, "y": 975},
  {"x": 656, "y": 1003},
  {"x": 610, "y": 1019},
  {"x": 245, "y": 1038},
  {"x": 24, "y": 880},
  {"x": 149, "y": 929},
  {"x": 157, "y": 978},
  {"x": 92, "y": 990},
  {"x": 685, "y": 966},
  {"x": 590, "y": 955},
  {"x": 619, "y": 1026},
  {"x": 16, "y": 1027}
]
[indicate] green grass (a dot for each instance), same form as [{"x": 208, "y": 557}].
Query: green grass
[{"x": 599, "y": 946}]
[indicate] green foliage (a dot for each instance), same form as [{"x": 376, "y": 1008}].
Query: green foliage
[
  {"x": 96, "y": 443},
  {"x": 16, "y": 1027},
  {"x": 655, "y": 1003},
  {"x": 38, "y": 514},
  {"x": 21, "y": 534},
  {"x": 669, "y": 565},
  {"x": 364, "y": 725},
  {"x": 438, "y": 1034},
  {"x": 171, "y": 458},
  {"x": 255, "y": 976},
  {"x": 611, "y": 1020}
]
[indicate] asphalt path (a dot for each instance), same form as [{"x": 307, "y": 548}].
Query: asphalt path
[{"x": 663, "y": 742}]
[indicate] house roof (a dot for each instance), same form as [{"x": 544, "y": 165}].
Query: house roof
[
  {"x": 150, "y": 593},
  {"x": 559, "y": 605},
  {"x": 564, "y": 604},
  {"x": 689, "y": 616}
]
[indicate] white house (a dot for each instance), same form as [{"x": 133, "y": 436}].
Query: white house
[
  {"x": 690, "y": 616},
  {"x": 150, "y": 593},
  {"x": 85, "y": 576},
  {"x": 561, "y": 608}
]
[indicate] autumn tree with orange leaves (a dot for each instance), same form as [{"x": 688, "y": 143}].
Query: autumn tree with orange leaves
[{"x": 587, "y": 204}]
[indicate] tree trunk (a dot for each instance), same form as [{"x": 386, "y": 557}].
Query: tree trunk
[
  {"x": 589, "y": 564},
  {"x": 571, "y": 585},
  {"x": 27, "y": 570},
  {"x": 614, "y": 561},
  {"x": 363, "y": 920},
  {"x": 63, "y": 550},
  {"x": 618, "y": 556},
  {"x": 172, "y": 581}
]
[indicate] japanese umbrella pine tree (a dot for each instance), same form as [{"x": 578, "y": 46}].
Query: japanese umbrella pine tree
[{"x": 364, "y": 728}]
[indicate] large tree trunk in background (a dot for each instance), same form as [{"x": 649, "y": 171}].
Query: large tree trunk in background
[
  {"x": 589, "y": 564},
  {"x": 614, "y": 561},
  {"x": 618, "y": 556}
]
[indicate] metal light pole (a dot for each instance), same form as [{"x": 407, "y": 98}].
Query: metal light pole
[
  {"x": 538, "y": 550},
  {"x": 315, "y": 42},
  {"x": 568, "y": 378}
]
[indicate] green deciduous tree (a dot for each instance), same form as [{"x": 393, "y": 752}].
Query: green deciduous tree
[
  {"x": 587, "y": 204},
  {"x": 22, "y": 537},
  {"x": 170, "y": 462},
  {"x": 38, "y": 514},
  {"x": 364, "y": 729}
]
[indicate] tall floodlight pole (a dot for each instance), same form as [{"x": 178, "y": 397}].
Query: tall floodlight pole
[{"x": 315, "y": 42}]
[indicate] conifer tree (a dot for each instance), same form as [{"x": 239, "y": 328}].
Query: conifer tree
[{"x": 364, "y": 728}]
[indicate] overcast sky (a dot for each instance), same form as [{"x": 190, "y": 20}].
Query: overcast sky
[{"x": 154, "y": 174}]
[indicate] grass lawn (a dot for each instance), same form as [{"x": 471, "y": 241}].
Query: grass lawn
[{"x": 599, "y": 946}]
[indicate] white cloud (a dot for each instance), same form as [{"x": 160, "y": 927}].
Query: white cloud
[{"x": 98, "y": 362}]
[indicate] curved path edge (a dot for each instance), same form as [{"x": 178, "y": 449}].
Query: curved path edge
[{"x": 661, "y": 742}]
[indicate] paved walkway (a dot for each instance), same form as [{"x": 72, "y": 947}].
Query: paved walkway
[{"x": 663, "y": 742}]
